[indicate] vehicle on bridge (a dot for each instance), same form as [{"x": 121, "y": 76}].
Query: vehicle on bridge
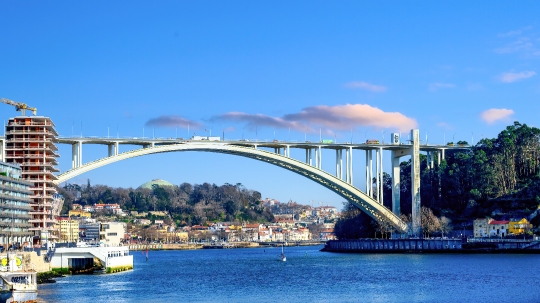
[
  {"x": 372, "y": 141},
  {"x": 327, "y": 141}
]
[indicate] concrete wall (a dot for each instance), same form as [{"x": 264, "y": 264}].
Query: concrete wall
[{"x": 393, "y": 245}]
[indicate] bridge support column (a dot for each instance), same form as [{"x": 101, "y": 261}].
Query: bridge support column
[
  {"x": 288, "y": 151},
  {"x": 381, "y": 175},
  {"x": 367, "y": 172},
  {"x": 74, "y": 162},
  {"x": 415, "y": 182},
  {"x": 347, "y": 170},
  {"x": 396, "y": 184},
  {"x": 320, "y": 158},
  {"x": 350, "y": 166},
  {"x": 377, "y": 181},
  {"x": 337, "y": 163},
  {"x": 438, "y": 158},
  {"x": 79, "y": 154},
  {"x": 443, "y": 153},
  {"x": 116, "y": 148},
  {"x": 110, "y": 149}
]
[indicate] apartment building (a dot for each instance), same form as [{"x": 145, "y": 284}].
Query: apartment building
[
  {"x": 68, "y": 229},
  {"x": 14, "y": 206},
  {"x": 30, "y": 143}
]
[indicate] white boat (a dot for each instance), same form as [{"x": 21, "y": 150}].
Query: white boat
[
  {"x": 282, "y": 257},
  {"x": 16, "y": 284}
]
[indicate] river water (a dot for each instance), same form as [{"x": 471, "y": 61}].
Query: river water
[{"x": 257, "y": 275}]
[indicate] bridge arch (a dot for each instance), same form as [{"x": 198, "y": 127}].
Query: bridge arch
[{"x": 342, "y": 188}]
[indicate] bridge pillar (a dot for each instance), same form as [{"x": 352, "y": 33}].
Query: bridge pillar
[
  {"x": 350, "y": 166},
  {"x": 116, "y": 148},
  {"x": 415, "y": 182},
  {"x": 341, "y": 164},
  {"x": 74, "y": 162},
  {"x": 369, "y": 173},
  {"x": 320, "y": 158},
  {"x": 381, "y": 174},
  {"x": 288, "y": 151},
  {"x": 347, "y": 170},
  {"x": 338, "y": 160},
  {"x": 396, "y": 184},
  {"x": 79, "y": 154},
  {"x": 377, "y": 184},
  {"x": 438, "y": 158},
  {"x": 110, "y": 148}
]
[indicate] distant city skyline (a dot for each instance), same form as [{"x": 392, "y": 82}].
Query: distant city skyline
[{"x": 346, "y": 71}]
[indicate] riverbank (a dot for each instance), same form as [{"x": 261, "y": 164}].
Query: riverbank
[
  {"x": 432, "y": 246},
  {"x": 48, "y": 277},
  {"x": 193, "y": 246}
]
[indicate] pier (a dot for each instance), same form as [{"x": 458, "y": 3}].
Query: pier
[{"x": 433, "y": 246}]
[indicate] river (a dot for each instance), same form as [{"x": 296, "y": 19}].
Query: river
[{"x": 257, "y": 275}]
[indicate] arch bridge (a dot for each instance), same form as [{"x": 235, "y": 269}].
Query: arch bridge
[{"x": 369, "y": 201}]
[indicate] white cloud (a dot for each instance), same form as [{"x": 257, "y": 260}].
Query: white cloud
[
  {"x": 496, "y": 114},
  {"x": 524, "y": 43},
  {"x": 513, "y": 77},
  {"x": 366, "y": 86},
  {"x": 172, "y": 121},
  {"x": 339, "y": 117},
  {"x": 436, "y": 86}
]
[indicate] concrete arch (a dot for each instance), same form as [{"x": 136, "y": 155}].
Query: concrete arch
[{"x": 342, "y": 188}]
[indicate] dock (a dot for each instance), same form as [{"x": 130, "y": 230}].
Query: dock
[{"x": 434, "y": 246}]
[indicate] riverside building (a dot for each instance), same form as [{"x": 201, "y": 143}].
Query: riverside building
[
  {"x": 14, "y": 206},
  {"x": 30, "y": 143}
]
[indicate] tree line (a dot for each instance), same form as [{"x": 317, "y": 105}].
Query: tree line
[
  {"x": 498, "y": 178},
  {"x": 187, "y": 204}
]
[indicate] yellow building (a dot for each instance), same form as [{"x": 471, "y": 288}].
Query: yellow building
[
  {"x": 69, "y": 230},
  {"x": 79, "y": 213},
  {"x": 519, "y": 227}
]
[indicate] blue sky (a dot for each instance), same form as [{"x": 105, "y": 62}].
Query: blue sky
[{"x": 455, "y": 70}]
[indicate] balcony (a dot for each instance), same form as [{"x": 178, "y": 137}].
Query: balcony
[
  {"x": 15, "y": 198},
  {"x": 16, "y": 189},
  {"x": 10, "y": 224},
  {"x": 23, "y": 140},
  {"x": 4, "y": 214},
  {"x": 46, "y": 220}
]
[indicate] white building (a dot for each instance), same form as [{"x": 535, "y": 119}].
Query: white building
[{"x": 112, "y": 233}]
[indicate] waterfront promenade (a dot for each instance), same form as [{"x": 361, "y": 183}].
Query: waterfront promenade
[{"x": 192, "y": 246}]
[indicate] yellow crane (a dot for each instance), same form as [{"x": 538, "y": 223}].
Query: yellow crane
[{"x": 21, "y": 107}]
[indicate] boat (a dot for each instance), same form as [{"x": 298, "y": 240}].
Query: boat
[
  {"x": 17, "y": 284},
  {"x": 282, "y": 256}
]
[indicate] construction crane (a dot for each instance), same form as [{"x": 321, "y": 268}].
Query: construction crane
[{"x": 20, "y": 107}]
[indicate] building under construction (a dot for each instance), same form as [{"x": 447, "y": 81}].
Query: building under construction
[{"x": 29, "y": 142}]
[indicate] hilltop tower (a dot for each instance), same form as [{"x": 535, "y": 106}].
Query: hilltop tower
[{"x": 30, "y": 143}]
